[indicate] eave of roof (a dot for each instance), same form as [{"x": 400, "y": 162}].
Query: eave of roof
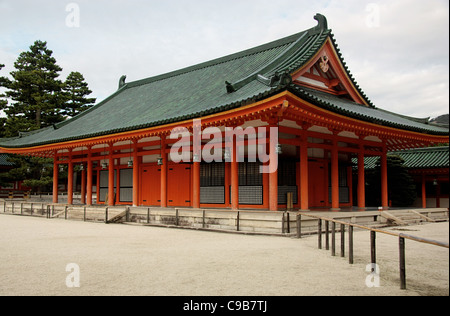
[
  {"x": 251, "y": 75},
  {"x": 423, "y": 158}
]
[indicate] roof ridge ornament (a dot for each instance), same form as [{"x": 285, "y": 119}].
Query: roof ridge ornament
[
  {"x": 323, "y": 24},
  {"x": 122, "y": 82}
]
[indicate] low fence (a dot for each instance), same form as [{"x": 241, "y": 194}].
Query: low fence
[
  {"x": 294, "y": 224},
  {"x": 14, "y": 194},
  {"x": 247, "y": 221},
  {"x": 324, "y": 229}
]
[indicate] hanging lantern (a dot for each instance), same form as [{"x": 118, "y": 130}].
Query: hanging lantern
[
  {"x": 196, "y": 158},
  {"x": 160, "y": 161},
  {"x": 130, "y": 163},
  {"x": 81, "y": 167},
  {"x": 61, "y": 168},
  {"x": 104, "y": 165}
]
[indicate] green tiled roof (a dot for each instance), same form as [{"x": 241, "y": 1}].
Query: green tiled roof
[
  {"x": 369, "y": 114},
  {"x": 425, "y": 158},
  {"x": 200, "y": 90}
]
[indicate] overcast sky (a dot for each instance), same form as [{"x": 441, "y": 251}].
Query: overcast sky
[{"x": 397, "y": 50}]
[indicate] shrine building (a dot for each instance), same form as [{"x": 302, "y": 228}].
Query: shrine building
[{"x": 282, "y": 122}]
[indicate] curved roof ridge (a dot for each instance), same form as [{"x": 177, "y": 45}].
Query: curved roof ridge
[{"x": 248, "y": 52}]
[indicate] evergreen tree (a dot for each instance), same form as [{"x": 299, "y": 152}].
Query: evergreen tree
[
  {"x": 76, "y": 92},
  {"x": 35, "y": 172},
  {"x": 35, "y": 91},
  {"x": 3, "y": 102}
]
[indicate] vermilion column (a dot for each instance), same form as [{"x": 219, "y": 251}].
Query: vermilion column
[
  {"x": 89, "y": 179},
  {"x": 304, "y": 175},
  {"x": 111, "y": 177},
  {"x": 136, "y": 164},
  {"x": 196, "y": 185},
  {"x": 83, "y": 186},
  {"x": 163, "y": 172},
  {"x": 273, "y": 177},
  {"x": 424, "y": 192},
  {"x": 335, "y": 177},
  {"x": 234, "y": 175},
  {"x": 55, "y": 179},
  {"x": 361, "y": 180},
  {"x": 384, "y": 180},
  {"x": 70, "y": 180},
  {"x": 266, "y": 188}
]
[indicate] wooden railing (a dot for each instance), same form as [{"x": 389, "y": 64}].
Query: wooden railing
[{"x": 373, "y": 231}]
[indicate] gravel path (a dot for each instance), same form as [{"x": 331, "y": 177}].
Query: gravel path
[{"x": 136, "y": 260}]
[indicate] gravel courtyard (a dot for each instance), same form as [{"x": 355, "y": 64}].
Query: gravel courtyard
[{"x": 137, "y": 260}]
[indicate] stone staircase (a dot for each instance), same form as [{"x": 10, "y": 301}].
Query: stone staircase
[{"x": 415, "y": 217}]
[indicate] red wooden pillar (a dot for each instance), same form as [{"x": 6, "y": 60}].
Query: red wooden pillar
[
  {"x": 227, "y": 184},
  {"x": 89, "y": 178},
  {"x": 384, "y": 180},
  {"x": 273, "y": 176},
  {"x": 196, "y": 184},
  {"x": 304, "y": 174},
  {"x": 55, "y": 179},
  {"x": 234, "y": 175},
  {"x": 70, "y": 180},
  {"x": 136, "y": 164},
  {"x": 83, "y": 186},
  {"x": 111, "y": 176},
  {"x": 266, "y": 188},
  {"x": 163, "y": 172},
  {"x": 361, "y": 179},
  {"x": 335, "y": 177},
  {"x": 424, "y": 192}
]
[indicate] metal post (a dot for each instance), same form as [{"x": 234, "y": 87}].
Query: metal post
[
  {"x": 373, "y": 253},
  {"x": 299, "y": 226},
  {"x": 319, "y": 233},
  {"x": 402, "y": 264},
  {"x": 342, "y": 240},
  {"x": 148, "y": 215},
  {"x": 333, "y": 239},
  {"x": 237, "y": 221},
  {"x": 106, "y": 215},
  {"x": 327, "y": 235},
  {"x": 350, "y": 244},
  {"x": 288, "y": 223}
]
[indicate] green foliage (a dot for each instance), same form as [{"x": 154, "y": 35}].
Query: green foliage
[
  {"x": 37, "y": 99},
  {"x": 35, "y": 91},
  {"x": 75, "y": 91},
  {"x": 3, "y": 102},
  {"x": 401, "y": 187}
]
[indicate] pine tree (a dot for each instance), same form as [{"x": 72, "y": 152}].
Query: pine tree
[
  {"x": 76, "y": 92},
  {"x": 35, "y": 91},
  {"x": 3, "y": 102}
]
